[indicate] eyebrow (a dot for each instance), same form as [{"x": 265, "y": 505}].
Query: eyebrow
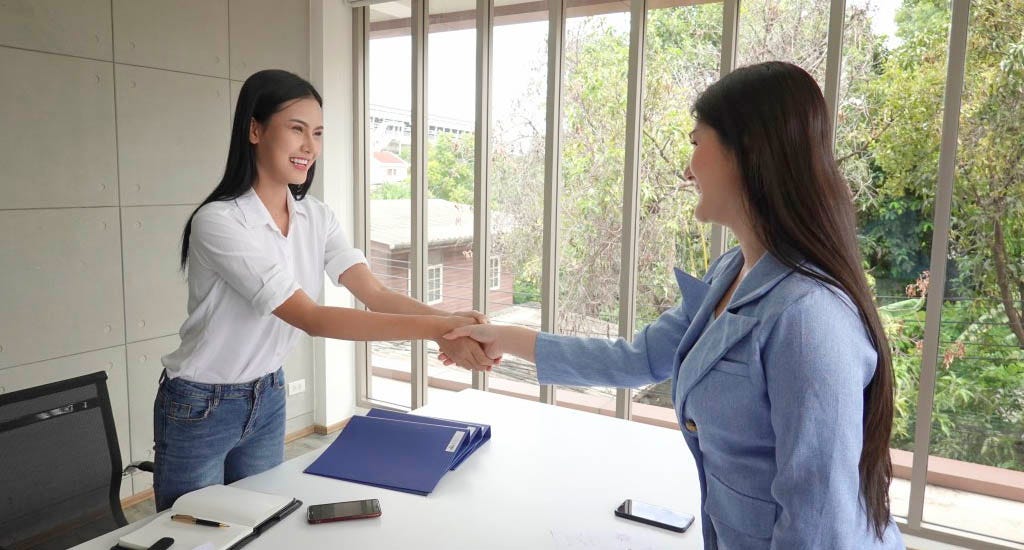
[{"x": 302, "y": 122}]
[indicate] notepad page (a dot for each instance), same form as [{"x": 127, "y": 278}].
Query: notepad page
[
  {"x": 185, "y": 535},
  {"x": 230, "y": 505}
]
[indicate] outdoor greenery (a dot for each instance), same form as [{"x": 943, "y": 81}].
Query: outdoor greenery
[{"x": 887, "y": 141}]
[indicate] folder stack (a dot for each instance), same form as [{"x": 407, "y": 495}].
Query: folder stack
[{"x": 399, "y": 451}]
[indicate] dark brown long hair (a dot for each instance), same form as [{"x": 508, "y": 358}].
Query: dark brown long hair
[{"x": 773, "y": 118}]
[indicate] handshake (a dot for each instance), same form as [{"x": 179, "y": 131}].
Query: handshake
[{"x": 471, "y": 342}]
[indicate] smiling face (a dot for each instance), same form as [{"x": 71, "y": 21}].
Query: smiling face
[
  {"x": 290, "y": 141},
  {"x": 716, "y": 176}
]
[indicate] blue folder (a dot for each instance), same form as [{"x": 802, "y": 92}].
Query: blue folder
[
  {"x": 392, "y": 454},
  {"x": 478, "y": 433}
]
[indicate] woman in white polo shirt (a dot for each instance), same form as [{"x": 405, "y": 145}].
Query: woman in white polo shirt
[{"x": 256, "y": 250}]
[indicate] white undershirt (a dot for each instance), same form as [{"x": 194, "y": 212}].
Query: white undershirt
[{"x": 240, "y": 269}]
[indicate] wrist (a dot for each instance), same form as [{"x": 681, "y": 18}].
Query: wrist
[{"x": 442, "y": 324}]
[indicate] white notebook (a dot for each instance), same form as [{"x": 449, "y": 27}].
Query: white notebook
[{"x": 244, "y": 511}]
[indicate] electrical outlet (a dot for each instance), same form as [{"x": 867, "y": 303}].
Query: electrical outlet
[{"x": 297, "y": 386}]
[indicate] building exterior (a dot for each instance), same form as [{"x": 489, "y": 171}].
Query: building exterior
[
  {"x": 449, "y": 283},
  {"x": 387, "y": 167}
]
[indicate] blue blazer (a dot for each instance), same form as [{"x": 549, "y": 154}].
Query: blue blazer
[{"x": 769, "y": 396}]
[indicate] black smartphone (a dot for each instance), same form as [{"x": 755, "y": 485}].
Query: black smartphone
[
  {"x": 654, "y": 515},
  {"x": 341, "y": 511}
]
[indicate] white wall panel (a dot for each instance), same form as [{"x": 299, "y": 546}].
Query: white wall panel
[
  {"x": 73, "y": 27},
  {"x": 143, "y": 379},
  {"x": 110, "y": 360},
  {"x": 173, "y": 132},
  {"x": 236, "y": 88},
  {"x": 60, "y": 285},
  {"x": 58, "y": 146},
  {"x": 155, "y": 293},
  {"x": 254, "y": 46},
  {"x": 184, "y": 35},
  {"x": 299, "y": 365}
]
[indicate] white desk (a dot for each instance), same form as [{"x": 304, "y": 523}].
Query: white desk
[{"x": 549, "y": 478}]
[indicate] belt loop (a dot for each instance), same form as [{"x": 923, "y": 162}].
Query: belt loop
[
  {"x": 163, "y": 376},
  {"x": 218, "y": 390}
]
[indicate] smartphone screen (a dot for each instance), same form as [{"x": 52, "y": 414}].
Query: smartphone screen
[
  {"x": 654, "y": 515},
  {"x": 340, "y": 511}
]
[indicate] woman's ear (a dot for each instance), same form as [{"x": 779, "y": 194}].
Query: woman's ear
[{"x": 254, "y": 131}]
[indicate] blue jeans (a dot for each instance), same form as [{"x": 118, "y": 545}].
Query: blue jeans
[{"x": 206, "y": 434}]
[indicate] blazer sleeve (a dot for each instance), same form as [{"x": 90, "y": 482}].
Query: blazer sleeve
[
  {"x": 649, "y": 358},
  {"x": 818, "y": 359},
  {"x": 576, "y": 361}
]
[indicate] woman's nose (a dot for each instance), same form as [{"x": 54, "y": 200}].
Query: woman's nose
[{"x": 687, "y": 174}]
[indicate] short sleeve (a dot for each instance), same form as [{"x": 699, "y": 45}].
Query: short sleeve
[
  {"x": 226, "y": 247},
  {"x": 339, "y": 254}
]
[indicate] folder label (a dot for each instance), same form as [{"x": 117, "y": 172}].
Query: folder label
[{"x": 456, "y": 440}]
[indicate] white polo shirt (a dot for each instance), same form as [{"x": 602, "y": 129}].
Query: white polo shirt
[{"x": 240, "y": 269}]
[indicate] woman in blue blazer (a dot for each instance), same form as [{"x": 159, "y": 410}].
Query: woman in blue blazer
[{"x": 781, "y": 375}]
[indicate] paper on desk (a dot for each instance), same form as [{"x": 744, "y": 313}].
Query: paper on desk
[
  {"x": 572, "y": 539},
  {"x": 204, "y": 546}
]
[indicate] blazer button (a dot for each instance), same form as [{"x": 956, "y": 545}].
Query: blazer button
[{"x": 691, "y": 426}]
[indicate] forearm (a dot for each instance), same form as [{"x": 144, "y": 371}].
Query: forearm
[
  {"x": 389, "y": 301},
  {"x": 353, "y": 324},
  {"x": 518, "y": 341}
]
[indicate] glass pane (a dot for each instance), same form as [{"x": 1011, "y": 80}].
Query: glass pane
[
  {"x": 451, "y": 121},
  {"x": 590, "y": 217},
  {"x": 389, "y": 106},
  {"x": 784, "y": 30},
  {"x": 682, "y": 55},
  {"x": 977, "y": 446},
  {"x": 892, "y": 169},
  {"x": 518, "y": 110}
]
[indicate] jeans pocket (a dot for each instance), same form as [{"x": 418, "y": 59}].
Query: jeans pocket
[{"x": 186, "y": 408}]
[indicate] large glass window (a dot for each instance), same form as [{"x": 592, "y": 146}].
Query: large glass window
[
  {"x": 594, "y": 78},
  {"x": 978, "y": 416},
  {"x": 887, "y": 145},
  {"x": 389, "y": 105},
  {"x": 518, "y": 105},
  {"x": 682, "y": 53},
  {"x": 451, "y": 120}
]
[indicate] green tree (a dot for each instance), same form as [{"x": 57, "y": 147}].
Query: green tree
[{"x": 450, "y": 168}]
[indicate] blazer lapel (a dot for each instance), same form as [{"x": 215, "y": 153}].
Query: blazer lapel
[
  {"x": 712, "y": 294},
  {"x": 700, "y": 350},
  {"x": 720, "y": 337}
]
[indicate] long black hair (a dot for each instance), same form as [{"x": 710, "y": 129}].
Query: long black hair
[
  {"x": 773, "y": 118},
  {"x": 263, "y": 94}
]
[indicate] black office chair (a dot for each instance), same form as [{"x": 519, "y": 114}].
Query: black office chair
[{"x": 60, "y": 465}]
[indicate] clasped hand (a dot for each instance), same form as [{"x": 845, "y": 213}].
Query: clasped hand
[{"x": 465, "y": 352}]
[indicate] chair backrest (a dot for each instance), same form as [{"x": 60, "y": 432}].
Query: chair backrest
[{"x": 60, "y": 464}]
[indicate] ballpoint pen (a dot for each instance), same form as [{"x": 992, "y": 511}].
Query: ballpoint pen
[{"x": 192, "y": 519}]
